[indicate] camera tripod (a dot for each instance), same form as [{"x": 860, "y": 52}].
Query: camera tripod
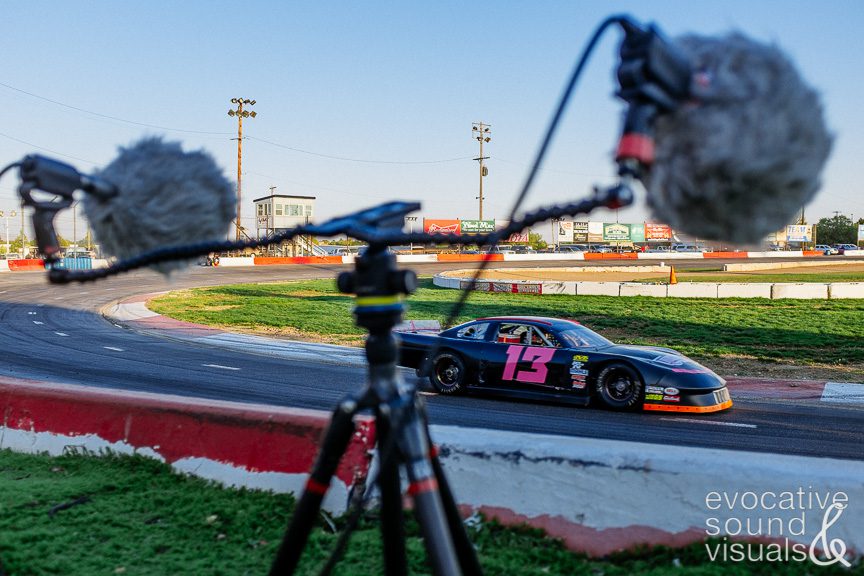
[{"x": 402, "y": 437}]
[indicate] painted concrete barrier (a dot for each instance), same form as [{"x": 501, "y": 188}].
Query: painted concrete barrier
[
  {"x": 743, "y": 290},
  {"x": 459, "y": 279},
  {"x": 809, "y": 291},
  {"x": 230, "y": 262},
  {"x": 29, "y": 265},
  {"x": 25, "y": 265},
  {"x": 751, "y": 266},
  {"x": 840, "y": 290},
  {"x": 543, "y": 257},
  {"x": 692, "y": 290},
  {"x": 4, "y": 266},
  {"x": 639, "y": 289},
  {"x": 598, "y": 288},
  {"x": 255, "y": 446},
  {"x": 600, "y": 496}
]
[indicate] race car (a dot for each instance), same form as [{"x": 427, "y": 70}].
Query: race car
[{"x": 553, "y": 359}]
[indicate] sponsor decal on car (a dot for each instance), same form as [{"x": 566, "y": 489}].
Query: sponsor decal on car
[
  {"x": 580, "y": 358},
  {"x": 578, "y": 372},
  {"x": 576, "y": 366},
  {"x": 653, "y": 397},
  {"x": 671, "y": 391},
  {"x": 654, "y": 389},
  {"x": 671, "y": 398}
]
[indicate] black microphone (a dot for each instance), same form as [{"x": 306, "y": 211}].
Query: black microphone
[
  {"x": 153, "y": 195},
  {"x": 725, "y": 134}
]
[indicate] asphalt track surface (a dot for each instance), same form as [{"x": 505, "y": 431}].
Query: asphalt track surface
[{"x": 56, "y": 334}]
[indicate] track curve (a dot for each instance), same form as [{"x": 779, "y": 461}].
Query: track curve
[{"x": 56, "y": 334}]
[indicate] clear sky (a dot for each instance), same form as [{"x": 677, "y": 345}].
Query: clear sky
[{"x": 364, "y": 102}]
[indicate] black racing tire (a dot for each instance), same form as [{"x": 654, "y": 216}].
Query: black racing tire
[
  {"x": 448, "y": 373},
  {"x": 619, "y": 387}
]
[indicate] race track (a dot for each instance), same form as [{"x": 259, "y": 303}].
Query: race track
[{"x": 56, "y": 334}]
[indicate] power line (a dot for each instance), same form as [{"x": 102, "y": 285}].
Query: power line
[
  {"x": 106, "y": 116},
  {"x": 47, "y": 149},
  {"x": 362, "y": 160}
]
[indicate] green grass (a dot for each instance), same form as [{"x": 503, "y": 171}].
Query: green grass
[
  {"x": 139, "y": 518},
  {"x": 792, "y": 331}
]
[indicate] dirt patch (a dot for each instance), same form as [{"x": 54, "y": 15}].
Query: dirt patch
[{"x": 356, "y": 340}]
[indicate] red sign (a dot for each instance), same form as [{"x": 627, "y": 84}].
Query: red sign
[
  {"x": 655, "y": 232},
  {"x": 441, "y": 226}
]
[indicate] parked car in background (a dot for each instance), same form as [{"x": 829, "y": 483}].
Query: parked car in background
[
  {"x": 842, "y": 248},
  {"x": 599, "y": 248},
  {"x": 688, "y": 248},
  {"x": 826, "y": 250}
]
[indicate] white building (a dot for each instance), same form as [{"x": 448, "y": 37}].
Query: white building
[{"x": 277, "y": 213}]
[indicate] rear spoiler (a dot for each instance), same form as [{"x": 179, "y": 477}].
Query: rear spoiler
[{"x": 419, "y": 326}]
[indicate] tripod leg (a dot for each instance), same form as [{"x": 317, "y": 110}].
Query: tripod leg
[
  {"x": 305, "y": 514},
  {"x": 392, "y": 526},
  {"x": 423, "y": 488},
  {"x": 465, "y": 551}
]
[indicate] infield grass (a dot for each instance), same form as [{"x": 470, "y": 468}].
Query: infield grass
[
  {"x": 133, "y": 515},
  {"x": 823, "y": 332}
]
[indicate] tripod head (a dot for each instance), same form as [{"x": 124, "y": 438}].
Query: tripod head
[{"x": 377, "y": 284}]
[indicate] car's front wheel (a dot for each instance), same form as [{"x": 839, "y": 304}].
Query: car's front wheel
[
  {"x": 619, "y": 386},
  {"x": 448, "y": 373}
]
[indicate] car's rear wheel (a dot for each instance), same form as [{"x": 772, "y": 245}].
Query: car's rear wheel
[
  {"x": 448, "y": 373},
  {"x": 619, "y": 386}
]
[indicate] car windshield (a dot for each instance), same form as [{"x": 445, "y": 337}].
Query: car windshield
[{"x": 582, "y": 337}]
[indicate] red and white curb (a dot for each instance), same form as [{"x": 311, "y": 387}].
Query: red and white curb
[
  {"x": 250, "y": 445},
  {"x": 599, "y": 496}
]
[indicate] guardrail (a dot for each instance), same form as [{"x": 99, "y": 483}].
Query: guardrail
[{"x": 30, "y": 265}]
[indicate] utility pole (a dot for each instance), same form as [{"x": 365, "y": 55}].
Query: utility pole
[
  {"x": 240, "y": 113},
  {"x": 482, "y": 133},
  {"x": 6, "y": 218}
]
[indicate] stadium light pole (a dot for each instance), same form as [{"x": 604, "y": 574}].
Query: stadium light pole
[
  {"x": 411, "y": 220},
  {"x": 6, "y": 219},
  {"x": 240, "y": 113},
  {"x": 482, "y": 133}
]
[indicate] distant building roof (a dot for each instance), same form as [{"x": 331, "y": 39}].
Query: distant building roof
[{"x": 283, "y": 196}]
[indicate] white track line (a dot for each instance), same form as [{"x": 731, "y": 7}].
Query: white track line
[
  {"x": 61, "y": 334},
  {"x": 37, "y": 322},
  {"x": 713, "y": 422},
  {"x": 220, "y": 367},
  {"x": 113, "y": 348}
]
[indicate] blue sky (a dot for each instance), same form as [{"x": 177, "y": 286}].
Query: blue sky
[{"x": 390, "y": 87}]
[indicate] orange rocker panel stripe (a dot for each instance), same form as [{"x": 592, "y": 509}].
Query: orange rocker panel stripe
[{"x": 702, "y": 409}]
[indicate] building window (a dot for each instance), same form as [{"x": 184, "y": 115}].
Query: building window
[
  {"x": 309, "y": 210},
  {"x": 295, "y": 210},
  {"x": 278, "y": 209},
  {"x": 260, "y": 209}
]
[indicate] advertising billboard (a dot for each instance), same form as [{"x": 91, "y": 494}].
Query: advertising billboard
[
  {"x": 616, "y": 232},
  {"x": 477, "y": 226},
  {"x": 658, "y": 233},
  {"x": 519, "y": 236},
  {"x": 860, "y": 232},
  {"x": 580, "y": 231},
  {"x": 595, "y": 231},
  {"x": 565, "y": 231},
  {"x": 433, "y": 226},
  {"x": 799, "y": 233},
  {"x": 637, "y": 232}
]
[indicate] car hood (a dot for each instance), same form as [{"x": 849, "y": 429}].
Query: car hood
[{"x": 658, "y": 356}]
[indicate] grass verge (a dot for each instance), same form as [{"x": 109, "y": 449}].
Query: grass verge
[
  {"x": 799, "y": 332},
  {"x": 83, "y": 515}
]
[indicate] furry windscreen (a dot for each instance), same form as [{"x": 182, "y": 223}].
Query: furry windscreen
[
  {"x": 167, "y": 197},
  {"x": 742, "y": 159}
]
